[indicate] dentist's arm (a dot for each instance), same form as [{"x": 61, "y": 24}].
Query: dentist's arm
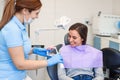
[{"x": 17, "y": 56}]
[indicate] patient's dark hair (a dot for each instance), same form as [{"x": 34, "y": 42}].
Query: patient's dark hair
[{"x": 81, "y": 29}]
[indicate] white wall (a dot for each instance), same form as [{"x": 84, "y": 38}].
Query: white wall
[
  {"x": 116, "y": 7},
  {"x": 1, "y": 7},
  {"x": 77, "y": 10}
]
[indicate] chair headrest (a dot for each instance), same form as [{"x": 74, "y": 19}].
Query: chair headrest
[{"x": 66, "y": 41}]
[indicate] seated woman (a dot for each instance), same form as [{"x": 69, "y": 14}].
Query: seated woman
[{"x": 81, "y": 61}]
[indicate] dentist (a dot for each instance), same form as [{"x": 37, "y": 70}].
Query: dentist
[{"x": 15, "y": 45}]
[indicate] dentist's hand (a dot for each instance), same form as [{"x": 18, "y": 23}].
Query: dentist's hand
[
  {"x": 57, "y": 58},
  {"x": 40, "y": 51}
]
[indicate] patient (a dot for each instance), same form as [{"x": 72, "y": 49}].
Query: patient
[{"x": 81, "y": 61}]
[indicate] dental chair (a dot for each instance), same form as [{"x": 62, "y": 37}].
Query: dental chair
[
  {"x": 111, "y": 61},
  {"x": 52, "y": 70}
]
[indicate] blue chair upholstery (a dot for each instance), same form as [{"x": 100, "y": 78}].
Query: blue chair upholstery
[
  {"x": 52, "y": 70},
  {"x": 66, "y": 41}
]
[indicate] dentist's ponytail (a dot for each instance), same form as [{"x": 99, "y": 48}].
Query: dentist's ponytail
[{"x": 8, "y": 12}]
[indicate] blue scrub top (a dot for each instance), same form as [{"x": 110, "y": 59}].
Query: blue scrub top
[{"x": 12, "y": 34}]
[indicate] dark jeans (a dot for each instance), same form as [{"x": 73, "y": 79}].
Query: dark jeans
[{"x": 82, "y": 77}]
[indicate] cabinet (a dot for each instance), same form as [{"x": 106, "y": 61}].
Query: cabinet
[
  {"x": 38, "y": 73},
  {"x": 97, "y": 42},
  {"x": 102, "y": 42},
  {"x": 114, "y": 45}
]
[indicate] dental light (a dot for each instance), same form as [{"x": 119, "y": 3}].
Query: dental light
[{"x": 62, "y": 22}]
